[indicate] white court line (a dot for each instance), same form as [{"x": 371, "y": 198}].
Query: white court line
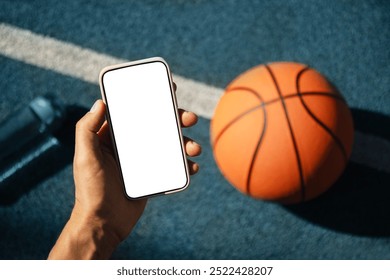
[{"x": 85, "y": 64}]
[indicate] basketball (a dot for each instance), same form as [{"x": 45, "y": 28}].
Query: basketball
[{"x": 281, "y": 132}]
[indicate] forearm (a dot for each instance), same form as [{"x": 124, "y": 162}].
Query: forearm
[{"x": 83, "y": 238}]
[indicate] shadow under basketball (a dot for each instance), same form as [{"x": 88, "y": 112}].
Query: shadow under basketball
[{"x": 358, "y": 203}]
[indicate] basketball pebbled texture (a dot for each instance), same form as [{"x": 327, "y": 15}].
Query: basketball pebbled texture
[{"x": 281, "y": 132}]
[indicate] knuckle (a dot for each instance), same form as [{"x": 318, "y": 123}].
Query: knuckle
[{"x": 80, "y": 124}]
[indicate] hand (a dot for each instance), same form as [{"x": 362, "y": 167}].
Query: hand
[{"x": 102, "y": 216}]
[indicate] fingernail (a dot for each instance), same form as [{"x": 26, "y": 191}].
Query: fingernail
[
  {"x": 93, "y": 109},
  {"x": 194, "y": 144},
  {"x": 195, "y": 167}
]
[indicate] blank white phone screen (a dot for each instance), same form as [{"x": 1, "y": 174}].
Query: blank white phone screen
[{"x": 145, "y": 129}]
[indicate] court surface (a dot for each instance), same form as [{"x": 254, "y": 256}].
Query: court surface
[{"x": 59, "y": 47}]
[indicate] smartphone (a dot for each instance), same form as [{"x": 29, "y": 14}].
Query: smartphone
[{"x": 145, "y": 127}]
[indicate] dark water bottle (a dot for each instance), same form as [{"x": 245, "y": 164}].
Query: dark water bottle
[
  {"x": 36, "y": 142},
  {"x": 42, "y": 116}
]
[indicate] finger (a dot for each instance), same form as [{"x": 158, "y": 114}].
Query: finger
[
  {"x": 192, "y": 148},
  {"x": 193, "y": 167},
  {"x": 88, "y": 126},
  {"x": 187, "y": 118},
  {"x": 174, "y": 86}
]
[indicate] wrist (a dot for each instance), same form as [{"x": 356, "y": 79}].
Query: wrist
[{"x": 85, "y": 237}]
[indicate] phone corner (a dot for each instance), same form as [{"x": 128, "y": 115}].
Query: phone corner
[
  {"x": 160, "y": 59},
  {"x": 187, "y": 183},
  {"x": 102, "y": 72}
]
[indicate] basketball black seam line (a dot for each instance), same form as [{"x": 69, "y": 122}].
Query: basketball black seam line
[
  {"x": 288, "y": 96},
  {"x": 299, "y": 163},
  {"x": 261, "y": 135},
  {"x": 317, "y": 120},
  {"x": 222, "y": 131},
  {"x": 249, "y": 176},
  {"x": 253, "y": 109}
]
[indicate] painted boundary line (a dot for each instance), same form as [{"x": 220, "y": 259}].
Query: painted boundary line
[{"x": 85, "y": 64}]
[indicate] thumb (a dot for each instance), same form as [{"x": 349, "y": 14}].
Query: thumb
[{"x": 87, "y": 128}]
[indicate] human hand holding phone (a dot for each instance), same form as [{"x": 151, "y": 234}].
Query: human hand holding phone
[{"x": 103, "y": 216}]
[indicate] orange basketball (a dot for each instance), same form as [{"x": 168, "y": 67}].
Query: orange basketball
[{"x": 282, "y": 132}]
